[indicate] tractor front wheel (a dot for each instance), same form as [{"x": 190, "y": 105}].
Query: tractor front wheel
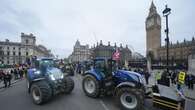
[
  {"x": 129, "y": 98},
  {"x": 40, "y": 92},
  {"x": 91, "y": 86},
  {"x": 69, "y": 85}
]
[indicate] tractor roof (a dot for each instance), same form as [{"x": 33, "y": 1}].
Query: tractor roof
[
  {"x": 45, "y": 58},
  {"x": 102, "y": 58}
]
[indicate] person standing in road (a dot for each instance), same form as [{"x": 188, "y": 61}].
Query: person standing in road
[
  {"x": 1, "y": 75},
  {"x": 5, "y": 76},
  {"x": 190, "y": 82},
  {"x": 8, "y": 78},
  {"x": 147, "y": 75},
  {"x": 15, "y": 74}
]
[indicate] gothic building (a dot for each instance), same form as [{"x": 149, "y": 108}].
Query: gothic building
[
  {"x": 80, "y": 53},
  {"x": 177, "y": 52},
  {"x": 106, "y": 51},
  {"x": 153, "y": 31}
]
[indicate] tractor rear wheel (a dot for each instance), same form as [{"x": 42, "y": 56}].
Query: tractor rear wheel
[
  {"x": 91, "y": 86},
  {"x": 69, "y": 85},
  {"x": 129, "y": 98},
  {"x": 40, "y": 92}
]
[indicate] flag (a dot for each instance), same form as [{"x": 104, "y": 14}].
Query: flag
[{"x": 116, "y": 55}]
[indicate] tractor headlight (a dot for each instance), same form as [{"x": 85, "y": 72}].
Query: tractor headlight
[
  {"x": 37, "y": 72},
  {"x": 62, "y": 76},
  {"x": 52, "y": 77}
]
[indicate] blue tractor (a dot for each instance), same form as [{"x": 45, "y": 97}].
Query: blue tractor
[
  {"x": 104, "y": 78},
  {"x": 44, "y": 80}
]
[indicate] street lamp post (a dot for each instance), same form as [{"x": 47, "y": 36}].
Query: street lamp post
[{"x": 166, "y": 13}]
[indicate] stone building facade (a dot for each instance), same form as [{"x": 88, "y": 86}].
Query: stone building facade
[
  {"x": 80, "y": 53},
  {"x": 177, "y": 51},
  {"x": 153, "y": 31},
  {"x": 18, "y": 52},
  {"x": 106, "y": 51}
]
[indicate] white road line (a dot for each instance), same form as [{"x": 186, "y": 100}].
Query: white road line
[{"x": 104, "y": 106}]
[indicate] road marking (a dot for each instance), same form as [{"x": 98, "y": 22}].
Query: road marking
[{"x": 103, "y": 104}]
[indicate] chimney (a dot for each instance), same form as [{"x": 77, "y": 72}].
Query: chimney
[
  {"x": 121, "y": 46},
  {"x": 101, "y": 42},
  {"x": 115, "y": 44},
  {"x": 108, "y": 43},
  {"x": 126, "y": 46},
  {"x": 31, "y": 34},
  {"x": 6, "y": 40},
  {"x": 22, "y": 34}
]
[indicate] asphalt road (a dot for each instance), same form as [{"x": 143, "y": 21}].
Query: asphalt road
[{"x": 17, "y": 98}]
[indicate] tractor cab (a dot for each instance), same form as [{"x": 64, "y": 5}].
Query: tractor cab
[
  {"x": 44, "y": 80},
  {"x": 105, "y": 66},
  {"x": 105, "y": 79}
]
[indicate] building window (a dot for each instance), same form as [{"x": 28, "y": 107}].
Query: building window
[
  {"x": 14, "y": 53},
  {"x": 26, "y": 41},
  {"x": 26, "y": 53},
  {"x": 19, "y": 53},
  {"x": 7, "y": 52},
  {"x": 7, "y": 48},
  {"x": 13, "y": 48},
  {"x": 19, "y": 48},
  {"x": 8, "y": 62},
  {"x": 1, "y": 52}
]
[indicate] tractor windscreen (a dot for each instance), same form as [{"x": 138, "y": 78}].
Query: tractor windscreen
[
  {"x": 47, "y": 63},
  {"x": 99, "y": 64}
]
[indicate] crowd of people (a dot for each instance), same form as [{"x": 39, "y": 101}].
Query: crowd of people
[{"x": 6, "y": 75}]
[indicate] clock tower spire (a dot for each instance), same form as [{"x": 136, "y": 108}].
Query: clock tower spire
[{"x": 153, "y": 31}]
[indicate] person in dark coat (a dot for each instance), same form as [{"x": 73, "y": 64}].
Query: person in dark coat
[
  {"x": 1, "y": 75},
  {"x": 190, "y": 82},
  {"x": 147, "y": 75},
  {"x": 8, "y": 78},
  {"x": 21, "y": 72},
  {"x": 4, "y": 74},
  {"x": 15, "y": 74}
]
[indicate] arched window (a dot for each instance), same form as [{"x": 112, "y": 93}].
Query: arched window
[{"x": 27, "y": 41}]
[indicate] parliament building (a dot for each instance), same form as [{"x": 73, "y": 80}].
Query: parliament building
[{"x": 179, "y": 51}]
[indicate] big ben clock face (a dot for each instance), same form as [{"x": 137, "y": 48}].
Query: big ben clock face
[{"x": 150, "y": 22}]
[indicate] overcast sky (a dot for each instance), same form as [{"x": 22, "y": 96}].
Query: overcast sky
[{"x": 57, "y": 24}]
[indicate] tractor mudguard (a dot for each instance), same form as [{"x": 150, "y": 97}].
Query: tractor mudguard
[
  {"x": 124, "y": 84},
  {"x": 96, "y": 74},
  {"x": 130, "y": 84}
]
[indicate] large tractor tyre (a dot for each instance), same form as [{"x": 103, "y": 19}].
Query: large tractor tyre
[
  {"x": 129, "y": 98},
  {"x": 40, "y": 92},
  {"x": 69, "y": 85},
  {"x": 91, "y": 86}
]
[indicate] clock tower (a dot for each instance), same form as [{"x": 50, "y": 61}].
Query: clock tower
[{"x": 153, "y": 31}]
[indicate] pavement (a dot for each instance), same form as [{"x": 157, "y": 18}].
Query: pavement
[
  {"x": 12, "y": 82},
  {"x": 17, "y": 98},
  {"x": 188, "y": 94}
]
